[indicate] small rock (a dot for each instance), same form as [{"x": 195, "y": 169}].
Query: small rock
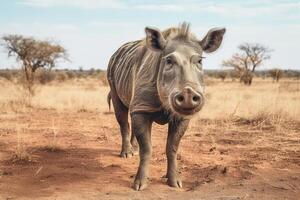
[
  {"x": 224, "y": 170},
  {"x": 212, "y": 149}
]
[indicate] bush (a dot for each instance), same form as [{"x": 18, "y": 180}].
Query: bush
[
  {"x": 45, "y": 76},
  {"x": 70, "y": 74},
  {"x": 91, "y": 72},
  {"x": 221, "y": 75},
  {"x": 61, "y": 76},
  {"x": 276, "y": 74},
  {"x": 6, "y": 75},
  {"x": 234, "y": 74}
]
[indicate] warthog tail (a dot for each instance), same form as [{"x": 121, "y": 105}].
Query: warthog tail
[{"x": 109, "y": 100}]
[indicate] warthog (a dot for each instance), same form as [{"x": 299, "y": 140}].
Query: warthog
[{"x": 159, "y": 79}]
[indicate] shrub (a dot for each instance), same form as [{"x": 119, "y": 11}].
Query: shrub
[
  {"x": 6, "y": 74},
  {"x": 70, "y": 74},
  {"x": 45, "y": 76},
  {"x": 276, "y": 74},
  {"x": 61, "y": 76}
]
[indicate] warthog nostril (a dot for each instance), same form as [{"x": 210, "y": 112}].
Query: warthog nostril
[
  {"x": 180, "y": 98},
  {"x": 196, "y": 98}
]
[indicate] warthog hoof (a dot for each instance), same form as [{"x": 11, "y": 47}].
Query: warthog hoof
[
  {"x": 174, "y": 181},
  {"x": 140, "y": 183},
  {"x": 127, "y": 152}
]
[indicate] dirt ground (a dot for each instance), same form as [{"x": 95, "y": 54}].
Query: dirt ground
[
  {"x": 74, "y": 155},
  {"x": 245, "y": 144}
]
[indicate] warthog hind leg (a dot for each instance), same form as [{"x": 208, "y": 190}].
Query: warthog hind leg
[{"x": 121, "y": 113}]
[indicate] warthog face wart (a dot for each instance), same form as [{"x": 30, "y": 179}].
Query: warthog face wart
[{"x": 180, "y": 80}]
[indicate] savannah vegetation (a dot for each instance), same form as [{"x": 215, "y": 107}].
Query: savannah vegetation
[
  {"x": 246, "y": 61},
  {"x": 32, "y": 54},
  {"x": 243, "y": 144}
]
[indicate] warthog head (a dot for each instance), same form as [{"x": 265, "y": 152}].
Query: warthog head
[{"x": 180, "y": 79}]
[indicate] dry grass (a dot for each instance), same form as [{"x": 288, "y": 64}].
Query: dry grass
[
  {"x": 263, "y": 97},
  {"x": 224, "y": 100},
  {"x": 13, "y": 97},
  {"x": 78, "y": 95},
  {"x": 21, "y": 154},
  {"x": 53, "y": 142},
  {"x": 74, "y": 95}
]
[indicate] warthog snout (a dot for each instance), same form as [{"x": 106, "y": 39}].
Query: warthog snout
[{"x": 188, "y": 101}]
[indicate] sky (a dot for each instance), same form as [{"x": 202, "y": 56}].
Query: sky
[{"x": 91, "y": 30}]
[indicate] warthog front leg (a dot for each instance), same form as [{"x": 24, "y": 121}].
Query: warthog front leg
[
  {"x": 175, "y": 132},
  {"x": 141, "y": 128}
]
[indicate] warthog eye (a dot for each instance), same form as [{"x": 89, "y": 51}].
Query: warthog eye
[
  {"x": 197, "y": 60},
  {"x": 169, "y": 61}
]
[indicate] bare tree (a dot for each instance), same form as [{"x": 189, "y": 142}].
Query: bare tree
[
  {"x": 241, "y": 64},
  {"x": 255, "y": 54},
  {"x": 247, "y": 60},
  {"x": 33, "y": 54}
]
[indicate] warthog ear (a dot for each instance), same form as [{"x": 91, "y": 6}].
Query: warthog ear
[
  {"x": 212, "y": 40},
  {"x": 154, "y": 39}
]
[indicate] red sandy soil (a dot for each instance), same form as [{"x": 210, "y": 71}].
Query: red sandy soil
[{"x": 218, "y": 159}]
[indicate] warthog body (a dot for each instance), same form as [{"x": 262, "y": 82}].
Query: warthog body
[{"x": 158, "y": 79}]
